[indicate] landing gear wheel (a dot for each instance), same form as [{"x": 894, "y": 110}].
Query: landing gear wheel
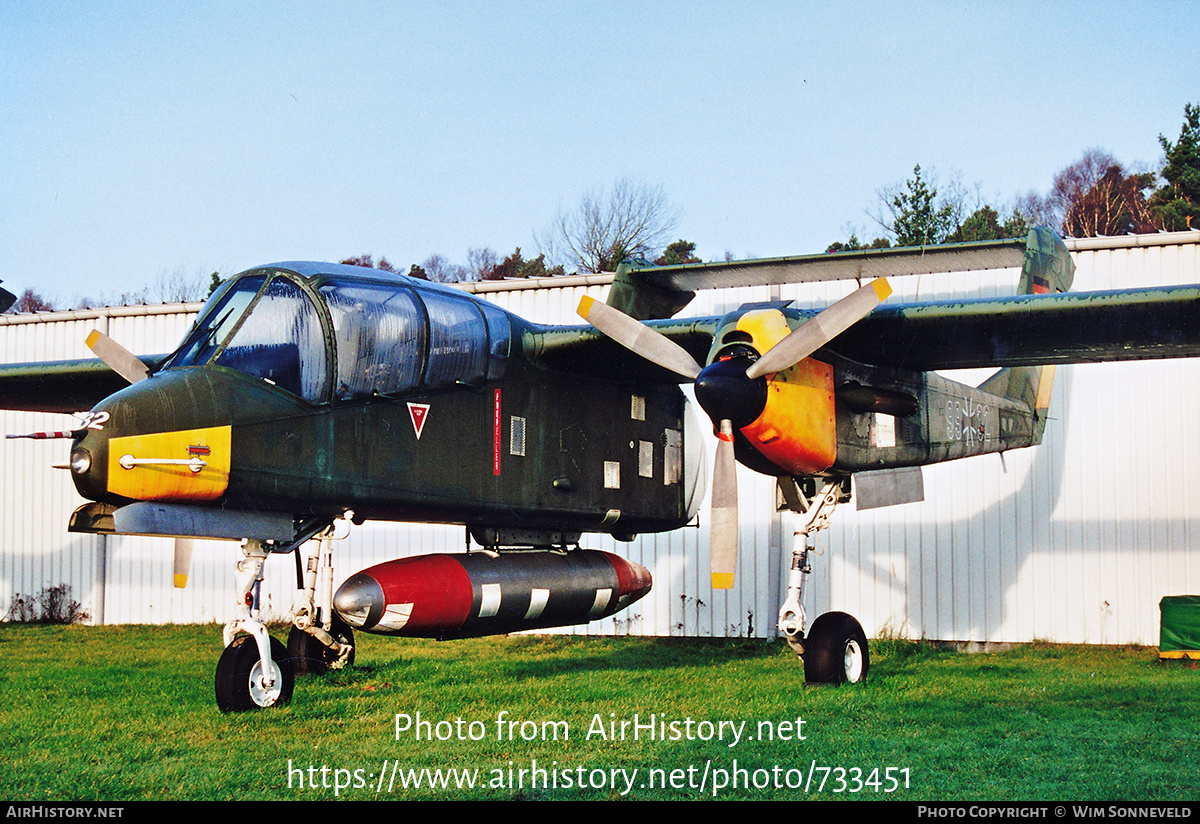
[
  {"x": 310, "y": 656},
  {"x": 835, "y": 651},
  {"x": 239, "y": 683}
]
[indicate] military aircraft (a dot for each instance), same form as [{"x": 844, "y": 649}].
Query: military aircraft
[{"x": 309, "y": 396}]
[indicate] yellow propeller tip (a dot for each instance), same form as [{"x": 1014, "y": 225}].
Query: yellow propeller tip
[
  {"x": 92, "y": 337},
  {"x": 585, "y": 306},
  {"x": 181, "y": 581},
  {"x": 722, "y": 580},
  {"x": 883, "y": 289}
]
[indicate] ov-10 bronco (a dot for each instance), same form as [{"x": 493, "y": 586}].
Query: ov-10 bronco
[{"x": 307, "y": 394}]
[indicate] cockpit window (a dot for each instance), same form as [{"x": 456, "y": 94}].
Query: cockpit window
[
  {"x": 216, "y": 322},
  {"x": 380, "y": 336},
  {"x": 458, "y": 349},
  {"x": 392, "y": 339},
  {"x": 273, "y": 333},
  {"x": 388, "y": 338},
  {"x": 280, "y": 340}
]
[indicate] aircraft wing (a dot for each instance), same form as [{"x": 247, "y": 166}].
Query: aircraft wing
[
  {"x": 1023, "y": 330},
  {"x": 60, "y": 386},
  {"x": 1029, "y": 330},
  {"x": 586, "y": 349}
]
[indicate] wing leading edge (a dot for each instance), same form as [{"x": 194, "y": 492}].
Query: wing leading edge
[
  {"x": 1030, "y": 330},
  {"x": 57, "y": 386}
]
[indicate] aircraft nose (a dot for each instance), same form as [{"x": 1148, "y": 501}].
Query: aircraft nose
[
  {"x": 88, "y": 465},
  {"x": 360, "y": 601}
]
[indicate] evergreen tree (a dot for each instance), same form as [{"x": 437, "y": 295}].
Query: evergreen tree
[
  {"x": 1177, "y": 204},
  {"x": 984, "y": 224},
  {"x": 918, "y": 218},
  {"x": 681, "y": 251}
]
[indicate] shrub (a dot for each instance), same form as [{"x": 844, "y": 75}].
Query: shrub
[{"x": 53, "y": 606}]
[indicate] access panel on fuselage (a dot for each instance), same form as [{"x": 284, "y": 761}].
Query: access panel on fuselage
[
  {"x": 591, "y": 455},
  {"x": 423, "y": 457}
]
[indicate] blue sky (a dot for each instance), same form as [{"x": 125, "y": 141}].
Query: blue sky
[{"x": 143, "y": 139}]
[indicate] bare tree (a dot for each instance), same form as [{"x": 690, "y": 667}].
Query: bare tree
[
  {"x": 1096, "y": 196},
  {"x": 179, "y": 287},
  {"x": 630, "y": 220},
  {"x": 384, "y": 265},
  {"x": 441, "y": 270},
  {"x": 481, "y": 263},
  {"x": 31, "y": 301},
  {"x": 1036, "y": 210}
]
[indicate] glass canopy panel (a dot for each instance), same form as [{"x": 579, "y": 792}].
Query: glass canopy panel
[
  {"x": 216, "y": 321},
  {"x": 280, "y": 340},
  {"x": 458, "y": 341},
  {"x": 380, "y": 335}
]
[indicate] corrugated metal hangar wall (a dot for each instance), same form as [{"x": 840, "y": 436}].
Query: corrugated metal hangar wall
[{"x": 1074, "y": 541}]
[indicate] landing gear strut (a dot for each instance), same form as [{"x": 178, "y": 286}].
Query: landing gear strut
[
  {"x": 254, "y": 671},
  {"x": 319, "y": 639},
  {"x": 835, "y": 650}
]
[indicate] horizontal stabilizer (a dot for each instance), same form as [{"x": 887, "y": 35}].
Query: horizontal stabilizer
[{"x": 864, "y": 265}]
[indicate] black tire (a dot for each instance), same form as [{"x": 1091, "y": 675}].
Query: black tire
[
  {"x": 237, "y": 683},
  {"x": 836, "y": 651},
  {"x": 309, "y": 656}
]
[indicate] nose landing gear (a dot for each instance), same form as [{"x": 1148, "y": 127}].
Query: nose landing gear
[{"x": 254, "y": 671}]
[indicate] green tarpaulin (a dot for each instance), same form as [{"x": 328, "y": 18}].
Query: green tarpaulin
[{"x": 1179, "y": 632}]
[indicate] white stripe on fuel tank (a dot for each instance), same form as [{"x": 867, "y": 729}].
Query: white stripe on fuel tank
[
  {"x": 537, "y": 603},
  {"x": 602, "y": 598},
  {"x": 489, "y": 603},
  {"x": 395, "y": 616}
]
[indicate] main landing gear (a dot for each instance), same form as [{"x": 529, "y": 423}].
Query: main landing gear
[
  {"x": 256, "y": 671},
  {"x": 835, "y": 650},
  {"x": 319, "y": 639}
]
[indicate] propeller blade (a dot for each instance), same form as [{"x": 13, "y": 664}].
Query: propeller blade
[
  {"x": 638, "y": 338},
  {"x": 816, "y": 332},
  {"x": 7, "y": 299},
  {"x": 118, "y": 358},
  {"x": 183, "y": 561},
  {"x": 723, "y": 534}
]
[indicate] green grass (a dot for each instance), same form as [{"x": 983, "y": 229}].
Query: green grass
[{"x": 127, "y": 713}]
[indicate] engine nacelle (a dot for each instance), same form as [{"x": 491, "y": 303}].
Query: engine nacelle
[{"x": 465, "y": 595}]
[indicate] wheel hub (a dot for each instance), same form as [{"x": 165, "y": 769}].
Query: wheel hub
[
  {"x": 260, "y": 693},
  {"x": 852, "y": 661}
]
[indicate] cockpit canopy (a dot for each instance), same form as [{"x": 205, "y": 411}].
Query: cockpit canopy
[{"x": 333, "y": 332}]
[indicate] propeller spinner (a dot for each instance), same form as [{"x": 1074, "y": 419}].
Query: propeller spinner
[{"x": 733, "y": 391}]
